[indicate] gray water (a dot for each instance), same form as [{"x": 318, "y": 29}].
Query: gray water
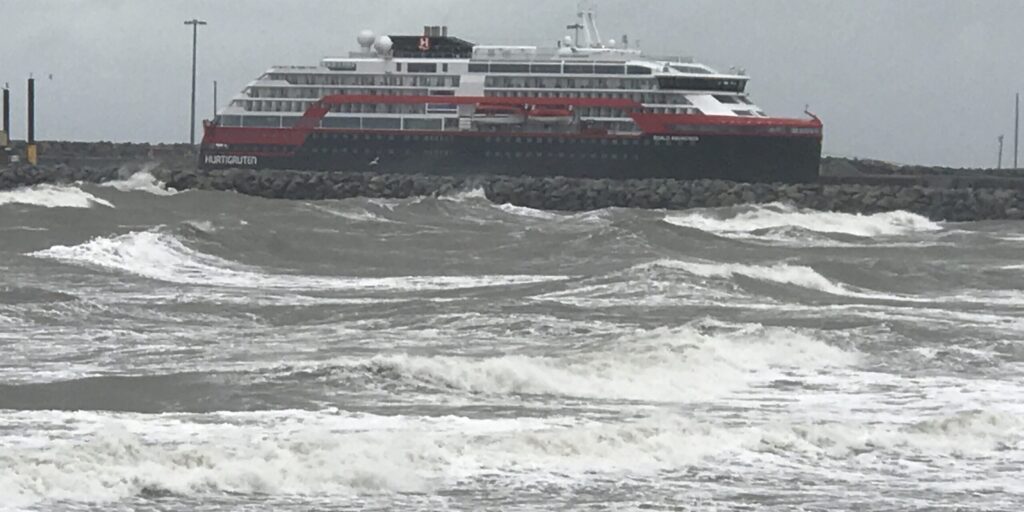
[{"x": 212, "y": 351}]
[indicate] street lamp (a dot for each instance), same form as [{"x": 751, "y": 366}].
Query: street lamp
[{"x": 195, "y": 31}]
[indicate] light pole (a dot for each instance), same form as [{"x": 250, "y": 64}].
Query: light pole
[
  {"x": 1016, "y": 132},
  {"x": 214, "y": 98},
  {"x": 1000, "y": 152},
  {"x": 195, "y": 35}
]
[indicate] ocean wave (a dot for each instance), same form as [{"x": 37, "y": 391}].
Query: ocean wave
[
  {"x": 781, "y": 273},
  {"x": 102, "y": 457},
  {"x": 524, "y": 211},
  {"x": 745, "y": 222},
  {"x": 677, "y": 365},
  {"x": 351, "y": 212},
  {"x": 464, "y": 195},
  {"x": 52, "y": 196},
  {"x": 164, "y": 257},
  {"x": 141, "y": 181}
]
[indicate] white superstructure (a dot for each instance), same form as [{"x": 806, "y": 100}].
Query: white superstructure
[{"x": 436, "y": 64}]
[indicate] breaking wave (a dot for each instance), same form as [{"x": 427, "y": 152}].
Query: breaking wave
[
  {"x": 348, "y": 212},
  {"x": 164, "y": 257},
  {"x": 345, "y": 455},
  {"x": 678, "y": 365},
  {"x": 524, "y": 211},
  {"x": 52, "y": 196},
  {"x": 141, "y": 181},
  {"x": 781, "y": 273},
  {"x": 747, "y": 221}
]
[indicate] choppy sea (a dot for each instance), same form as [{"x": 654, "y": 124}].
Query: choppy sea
[{"x": 181, "y": 351}]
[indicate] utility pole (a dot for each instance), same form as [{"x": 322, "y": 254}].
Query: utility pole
[
  {"x": 1000, "y": 152},
  {"x": 1016, "y": 133},
  {"x": 31, "y": 152},
  {"x": 7, "y": 111},
  {"x": 195, "y": 35}
]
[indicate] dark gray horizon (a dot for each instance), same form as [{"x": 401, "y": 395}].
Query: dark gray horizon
[{"x": 928, "y": 82}]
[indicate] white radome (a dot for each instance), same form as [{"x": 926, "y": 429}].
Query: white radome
[
  {"x": 383, "y": 45},
  {"x": 366, "y": 38}
]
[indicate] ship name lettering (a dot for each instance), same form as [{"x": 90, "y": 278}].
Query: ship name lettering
[
  {"x": 231, "y": 160},
  {"x": 677, "y": 138}
]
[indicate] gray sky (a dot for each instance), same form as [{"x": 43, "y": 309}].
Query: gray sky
[{"x": 917, "y": 81}]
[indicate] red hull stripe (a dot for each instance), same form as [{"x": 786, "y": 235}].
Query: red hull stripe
[{"x": 348, "y": 99}]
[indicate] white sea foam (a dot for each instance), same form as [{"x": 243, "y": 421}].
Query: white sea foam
[
  {"x": 782, "y": 273},
  {"x": 141, "y": 181},
  {"x": 779, "y": 217},
  {"x": 523, "y": 211},
  {"x": 52, "y": 196},
  {"x": 475, "y": 194},
  {"x": 164, "y": 257},
  {"x": 678, "y": 365},
  {"x": 103, "y": 457},
  {"x": 350, "y": 212}
]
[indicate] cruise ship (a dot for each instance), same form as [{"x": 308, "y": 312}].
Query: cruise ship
[{"x": 586, "y": 107}]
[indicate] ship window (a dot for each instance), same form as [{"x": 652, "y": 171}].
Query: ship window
[
  {"x": 382, "y": 123},
  {"x": 585, "y": 69},
  {"x": 478, "y": 68},
  {"x": 398, "y": 67},
  {"x": 423, "y": 124},
  {"x": 341, "y": 122},
  {"x": 701, "y": 84},
  {"x": 726, "y": 99},
  {"x": 609, "y": 70},
  {"x": 510, "y": 68},
  {"x": 422, "y": 67},
  {"x": 639, "y": 70},
  {"x": 230, "y": 121},
  {"x": 261, "y": 121},
  {"x": 444, "y": 68},
  {"x": 546, "y": 68}
]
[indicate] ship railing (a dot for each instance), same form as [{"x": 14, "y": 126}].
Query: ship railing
[{"x": 519, "y": 54}]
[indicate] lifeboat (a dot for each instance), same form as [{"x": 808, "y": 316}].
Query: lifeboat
[
  {"x": 499, "y": 114},
  {"x": 552, "y": 115}
]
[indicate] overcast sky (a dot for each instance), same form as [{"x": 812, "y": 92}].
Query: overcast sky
[{"x": 916, "y": 81}]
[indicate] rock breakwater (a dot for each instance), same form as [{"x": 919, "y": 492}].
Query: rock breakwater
[
  {"x": 939, "y": 196},
  {"x": 557, "y": 193}
]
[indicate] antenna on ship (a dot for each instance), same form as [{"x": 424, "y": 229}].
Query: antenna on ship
[
  {"x": 575, "y": 27},
  {"x": 588, "y": 13}
]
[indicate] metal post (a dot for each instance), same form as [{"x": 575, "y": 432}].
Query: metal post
[
  {"x": 7, "y": 111},
  {"x": 1016, "y": 133},
  {"x": 214, "y": 98},
  {"x": 195, "y": 37},
  {"x": 1000, "y": 166},
  {"x": 31, "y": 154}
]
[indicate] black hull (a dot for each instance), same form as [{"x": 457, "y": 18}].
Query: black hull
[{"x": 727, "y": 157}]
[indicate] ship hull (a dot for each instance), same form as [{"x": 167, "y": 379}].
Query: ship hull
[{"x": 754, "y": 158}]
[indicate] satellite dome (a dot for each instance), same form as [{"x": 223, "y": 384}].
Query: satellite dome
[
  {"x": 366, "y": 38},
  {"x": 383, "y": 45}
]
